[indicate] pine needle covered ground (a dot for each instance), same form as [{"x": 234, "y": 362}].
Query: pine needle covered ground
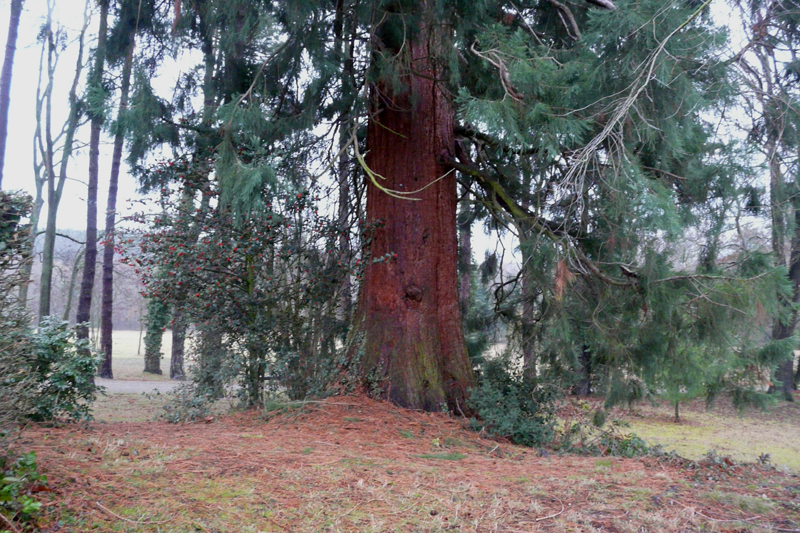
[{"x": 353, "y": 464}]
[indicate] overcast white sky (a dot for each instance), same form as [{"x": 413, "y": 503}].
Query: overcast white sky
[{"x": 18, "y": 170}]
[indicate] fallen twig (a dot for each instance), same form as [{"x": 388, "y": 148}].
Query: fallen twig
[
  {"x": 553, "y": 515},
  {"x": 138, "y": 522},
  {"x": 9, "y": 524},
  {"x": 721, "y": 519},
  {"x": 273, "y": 522}
]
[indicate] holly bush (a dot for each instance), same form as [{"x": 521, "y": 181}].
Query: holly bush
[
  {"x": 16, "y": 476},
  {"x": 259, "y": 287},
  {"x": 64, "y": 368}
]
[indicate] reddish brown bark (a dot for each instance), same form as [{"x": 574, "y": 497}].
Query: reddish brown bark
[{"x": 413, "y": 344}]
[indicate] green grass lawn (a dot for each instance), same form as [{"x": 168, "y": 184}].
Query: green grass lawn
[{"x": 743, "y": 436}]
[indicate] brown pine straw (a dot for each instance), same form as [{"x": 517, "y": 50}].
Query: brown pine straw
[{"x": 346, "y": 461}]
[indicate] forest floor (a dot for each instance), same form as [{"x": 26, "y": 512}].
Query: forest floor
[{"x": 354, "y": 464}]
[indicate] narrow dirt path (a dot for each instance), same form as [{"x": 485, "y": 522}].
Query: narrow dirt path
[{"x": 135, "y": 387}]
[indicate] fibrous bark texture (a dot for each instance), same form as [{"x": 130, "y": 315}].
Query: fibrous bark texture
[{"x": 413, "y": 346}]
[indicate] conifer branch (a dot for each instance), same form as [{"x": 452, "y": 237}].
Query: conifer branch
[
  {"x": 605, "y": 4},
  {"x": 564, "y": 11},
  {"x": 578, "y": 168},
  {"x": 249, "y": 90},
  {"x": 693, "y": 277},
  {"x": 506, "y": 202},
  {"x": 494, "y": 59}
]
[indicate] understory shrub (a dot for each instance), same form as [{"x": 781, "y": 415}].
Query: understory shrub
[
  {"x": 509, "y": 404},
  {"x": 63, "y": 368},
  {"x": 17, "y": 387},
  {"x": 16, "y": 477}
]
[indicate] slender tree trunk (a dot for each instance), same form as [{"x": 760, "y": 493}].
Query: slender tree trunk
[
  {"x": 527, "y": 319},
  {"x": 344, "y": 173},
  {"x": 346, "y": 291},
  {"x": 584, "y": 385},
  {"x": 141, "y": 327},
  {"x": 39, "y": 181},
  {"x": 90, "y": 255},
  {"x": 796, "y": 376},
  {"x": 5, "y": 78},
  {"x": 76, "y": 267},
  {"x": 48, "y": 254},
  {"x": 176, "y": 370},
  {"x": 464, "y": 258},
  {"x": 408, "y": 321},
  {"x": 157, "y": 318},
  {"x": 107, "y": 313}
]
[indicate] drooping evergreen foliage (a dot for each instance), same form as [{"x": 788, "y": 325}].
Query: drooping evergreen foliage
[
  {"x": 594, "y": 151},
  {"x": 588, "y": 133}
]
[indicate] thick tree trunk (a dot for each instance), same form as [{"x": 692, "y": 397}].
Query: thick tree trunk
[
  {"x": 90, "y": 255},
  {"x": 413, "y": 344},
  {"x": 207, "y": 373},
  {"x": 106, "y": 315},
  {"x": 5, "y": 78}
]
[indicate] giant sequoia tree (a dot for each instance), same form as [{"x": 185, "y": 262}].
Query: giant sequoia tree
[{"x": 408, "y": 312}]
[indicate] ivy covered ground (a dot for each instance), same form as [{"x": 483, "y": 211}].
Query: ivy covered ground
[{"x": 353, "y": 464}]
